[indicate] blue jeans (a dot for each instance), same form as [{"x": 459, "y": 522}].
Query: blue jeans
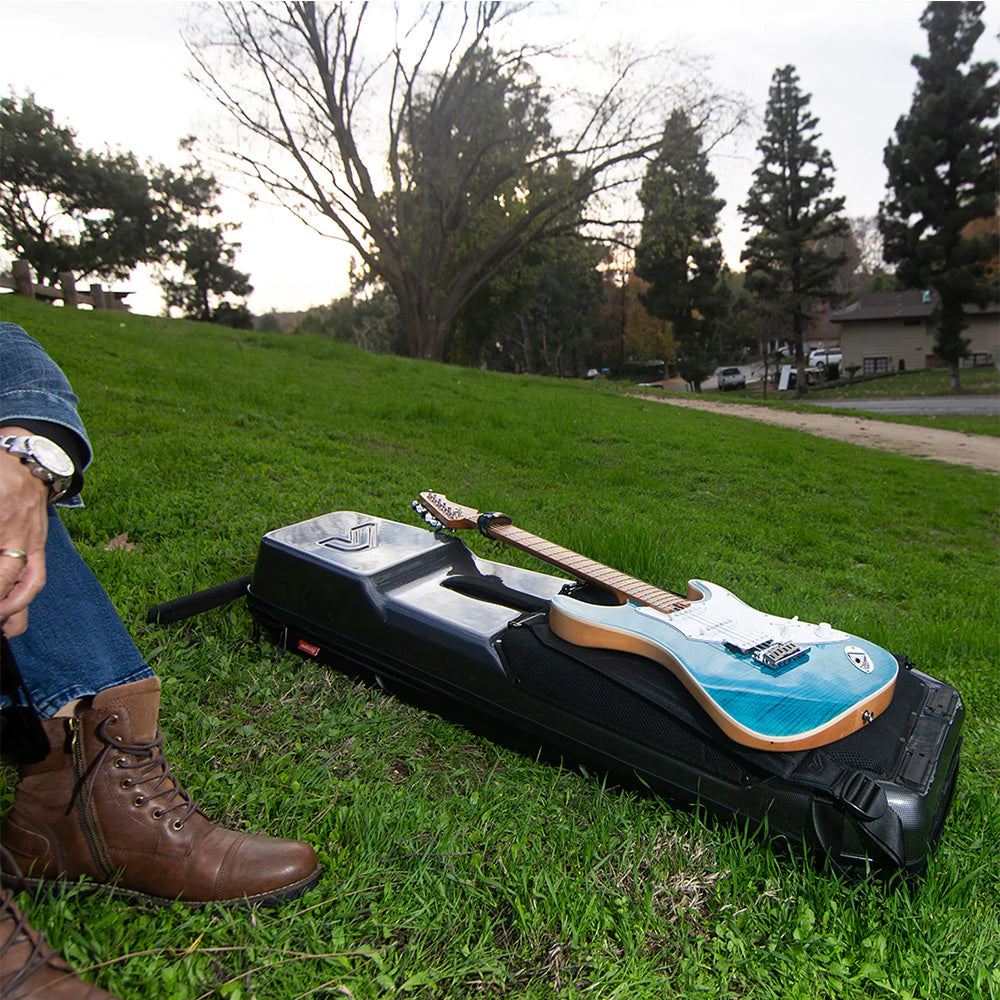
[{"x": 75, "y": 644}]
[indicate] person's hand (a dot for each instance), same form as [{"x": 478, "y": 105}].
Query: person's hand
[{"x": 23, "y": 527}]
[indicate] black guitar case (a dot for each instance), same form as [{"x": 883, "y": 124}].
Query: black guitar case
[{"x": 418, "y": 613}]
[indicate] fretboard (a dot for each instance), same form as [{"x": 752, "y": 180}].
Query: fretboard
[{"x": 587, "y": 569}]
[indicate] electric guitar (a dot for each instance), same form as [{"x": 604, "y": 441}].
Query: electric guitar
[{"x": 768, "y": 682}]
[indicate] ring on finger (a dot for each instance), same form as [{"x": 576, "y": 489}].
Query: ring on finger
[{"x": 15, "y": 554}]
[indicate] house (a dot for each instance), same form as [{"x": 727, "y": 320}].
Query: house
[{"x": 893, "y": 331}]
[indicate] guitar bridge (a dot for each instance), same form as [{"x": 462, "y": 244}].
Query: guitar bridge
[
  {"x": 778, "y": 655},
  {"x": 735, "y": 647}
]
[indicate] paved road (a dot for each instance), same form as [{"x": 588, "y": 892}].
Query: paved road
[
  {"x": 980, "y": 451},
  {"x": 928, "y": 406}
]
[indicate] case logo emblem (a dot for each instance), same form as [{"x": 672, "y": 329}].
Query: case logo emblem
[{"x": 359, "y": 538}]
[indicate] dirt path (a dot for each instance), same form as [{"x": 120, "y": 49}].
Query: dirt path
[{"x": 979, "y": 451}]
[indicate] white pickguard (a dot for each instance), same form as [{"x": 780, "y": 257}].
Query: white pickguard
[{"x": 720, "y": 616}]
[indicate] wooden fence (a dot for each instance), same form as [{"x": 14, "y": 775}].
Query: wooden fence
[{"x": 97, "y": 297}]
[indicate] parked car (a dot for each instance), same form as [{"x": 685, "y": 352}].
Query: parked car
[
  {"x": 822, "y": 356},
  {"x": 731, "y": 378}
]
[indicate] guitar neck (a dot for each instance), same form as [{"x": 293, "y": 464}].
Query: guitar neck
[{"x": 624, "y": 586}]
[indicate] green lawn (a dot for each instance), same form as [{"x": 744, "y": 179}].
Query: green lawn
[
  {"x": 975, "y": 382},
  {"x": 454, "y": 868}
]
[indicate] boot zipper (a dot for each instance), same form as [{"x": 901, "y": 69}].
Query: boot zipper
[{"x": 86, "y": 813}]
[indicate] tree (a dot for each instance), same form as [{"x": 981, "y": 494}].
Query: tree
[
  {"x": 199, "y": 247},
  {"x": 538, "y": 313},
  {"x": 209, "y": 278},
  {"x": 942, "y": 168},
  {"x": 626, "y": 329},
  {"x": 367, "y": 318},
  {"x": 679, "y": 251},
  {"x": 791, "y": 214},
  {"x": 63, "y": 208},
  {"x": 428, "y": 147}
]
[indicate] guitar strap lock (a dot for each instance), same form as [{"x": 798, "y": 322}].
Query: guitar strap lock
[{"x": 487, "y": 521}]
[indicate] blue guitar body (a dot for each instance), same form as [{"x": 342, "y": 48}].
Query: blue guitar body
[{"x": 768, "y": 682}]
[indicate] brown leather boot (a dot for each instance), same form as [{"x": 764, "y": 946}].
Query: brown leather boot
[
  {"x": 30, "y": 968},
  {"x": 104, "y": 805}
]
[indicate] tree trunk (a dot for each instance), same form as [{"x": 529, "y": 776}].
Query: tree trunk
[
  {"x": 800, "y": 367},
  {"x": 426, "y": 333},
  {"x": 798, "y": 329},
  {"x": 951, "y": 345}
]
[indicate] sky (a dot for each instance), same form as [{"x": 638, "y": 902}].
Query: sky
[{"x": 116, "y": 73}]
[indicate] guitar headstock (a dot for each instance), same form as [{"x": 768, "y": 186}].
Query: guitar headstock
[{"x": 450, "y": 515}]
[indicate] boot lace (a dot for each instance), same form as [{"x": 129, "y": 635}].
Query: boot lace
[
  {"x": 150, "y": 769},
  {"x": 42, "y": 954}
]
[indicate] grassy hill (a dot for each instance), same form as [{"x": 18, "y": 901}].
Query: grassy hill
[{"x": 454, "y": 868}]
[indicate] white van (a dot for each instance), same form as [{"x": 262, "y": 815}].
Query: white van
[{"x": 823, "y": 356}]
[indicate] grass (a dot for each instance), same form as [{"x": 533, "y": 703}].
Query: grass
[
  {"x": 963, "y": 423},
  {"x": 455, "y": 868},
  {"x": 974, "y": 381}
]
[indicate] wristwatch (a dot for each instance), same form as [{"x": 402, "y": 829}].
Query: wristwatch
[{"x": 46, "y": 460}]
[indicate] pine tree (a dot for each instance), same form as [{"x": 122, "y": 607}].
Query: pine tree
[
  {"x": 942, "y": 167},
  {"x": 792, "y": 215},
  {"x": 679, "y": 253}
]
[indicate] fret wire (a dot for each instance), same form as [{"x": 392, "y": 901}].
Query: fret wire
[{"x": 590, "y": 569}]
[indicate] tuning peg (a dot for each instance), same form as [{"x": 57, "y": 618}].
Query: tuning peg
[{"x": 429, "y": 518}]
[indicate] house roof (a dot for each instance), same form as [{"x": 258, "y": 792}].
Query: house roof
[{"x": 899, "y": 305}]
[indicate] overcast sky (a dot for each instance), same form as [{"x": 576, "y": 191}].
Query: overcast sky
[{"x": 115, "y": 72}]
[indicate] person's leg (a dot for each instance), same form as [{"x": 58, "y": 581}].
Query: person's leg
[
  {"x": 75, "y": 645},
  {"x": 104, "y": 803}
]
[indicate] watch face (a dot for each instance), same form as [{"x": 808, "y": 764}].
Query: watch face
[{"x": 51, "y": 456}]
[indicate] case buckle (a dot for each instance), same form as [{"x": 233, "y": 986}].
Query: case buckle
[{"x": 864, "y": 796}]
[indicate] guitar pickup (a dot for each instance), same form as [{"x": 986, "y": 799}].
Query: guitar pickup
[{"x": 778, "y": 655}]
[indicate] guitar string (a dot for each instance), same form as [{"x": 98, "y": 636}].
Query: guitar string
[
  {"x": 644, "y": 593},
  {"x": 653, "y": 597}
]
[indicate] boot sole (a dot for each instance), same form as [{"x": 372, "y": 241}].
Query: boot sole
[{"x": 86, "y": 886}]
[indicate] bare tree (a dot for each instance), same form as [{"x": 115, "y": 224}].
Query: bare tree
[
  {"x": 428, "y": 144},
  {"x": 868, "y": 239}
]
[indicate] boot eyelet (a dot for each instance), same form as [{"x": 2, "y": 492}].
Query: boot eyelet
[
  {"x": 177, "y": 824},
  {"x": 120, "y": 762},
  {"x": 157, "y": 813},
  {"x": 138, "y": 800},
  {"x": 126, "y": 782}
]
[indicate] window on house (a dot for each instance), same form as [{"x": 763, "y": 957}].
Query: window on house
[
  {"x": 975, "y": 360},
  {"x": 873, "y": 366}
]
